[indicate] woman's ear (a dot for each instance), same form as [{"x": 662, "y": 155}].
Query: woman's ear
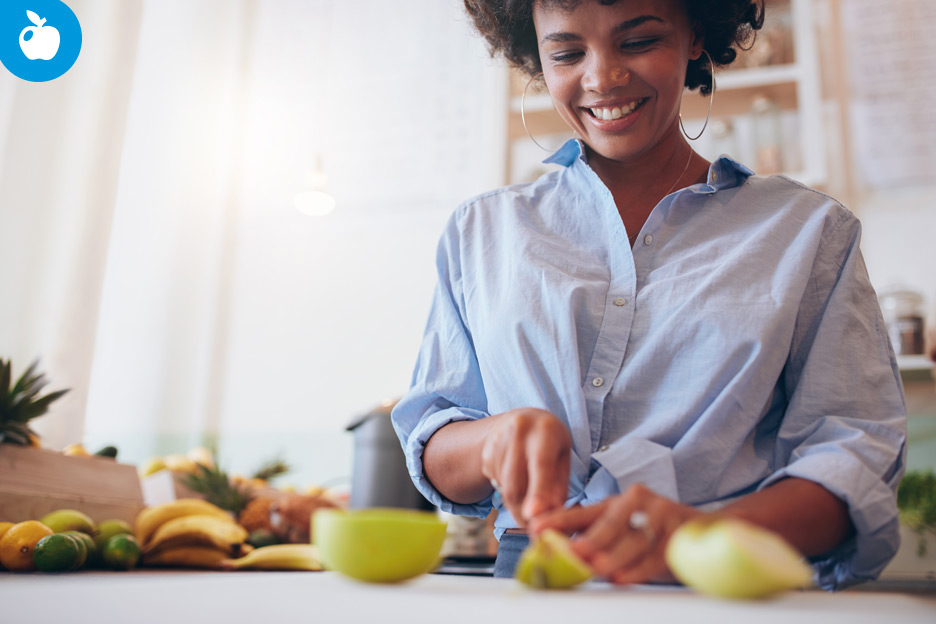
[{"x": 697, "y": 44}]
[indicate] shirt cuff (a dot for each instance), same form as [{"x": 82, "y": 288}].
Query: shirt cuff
[
  {"x": 872, "y": 507},
  {"x": 416, "y": 446},
  {"x": 628, "y": 461}
]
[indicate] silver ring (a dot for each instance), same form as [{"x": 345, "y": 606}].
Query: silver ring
[{"x": 640, "y": 521}]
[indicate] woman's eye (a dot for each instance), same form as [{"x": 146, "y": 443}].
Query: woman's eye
[
  {"x": 564, "y": 57},
  {"x": 639, "y": 44}
]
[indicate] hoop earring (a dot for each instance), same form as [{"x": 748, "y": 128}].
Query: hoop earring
[
  {"x": 711, "y": 100},
  {"x": 523, "y": 114}
]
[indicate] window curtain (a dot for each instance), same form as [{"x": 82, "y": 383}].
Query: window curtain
[{"x": 162, "y": 271}]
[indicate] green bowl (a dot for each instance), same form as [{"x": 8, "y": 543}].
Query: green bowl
[{"x": 378, "y": 545}]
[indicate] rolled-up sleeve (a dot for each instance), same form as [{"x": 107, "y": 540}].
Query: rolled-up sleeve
[
  {"x": 446, "y": 386},
  {"x": 845, "y": 424}
]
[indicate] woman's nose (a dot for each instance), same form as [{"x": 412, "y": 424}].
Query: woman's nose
[{"x": 604, "y": 76}]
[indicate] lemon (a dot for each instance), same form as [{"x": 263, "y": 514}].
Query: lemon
[
  {"x": 122, "y": 552},
  {"x": 4, "y": 527},
  {"x": 16, "y": 547},
  {"x": 86, "y": 545},
  {"x": 57, "y": 553},
  {"x": 76, "y": 450}
]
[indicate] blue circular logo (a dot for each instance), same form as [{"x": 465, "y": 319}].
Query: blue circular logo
[{"x": 39, "y": 39}]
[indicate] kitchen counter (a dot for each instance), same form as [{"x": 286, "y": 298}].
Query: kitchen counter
[{"x": 144, "y": 596}]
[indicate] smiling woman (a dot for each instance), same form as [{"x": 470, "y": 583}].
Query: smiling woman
[{"x": 642, "y": 337}]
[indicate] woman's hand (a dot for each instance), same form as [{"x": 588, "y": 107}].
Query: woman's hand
[
  {"x": 610, "y": 545},
  {"x": 526, "y": 454}
]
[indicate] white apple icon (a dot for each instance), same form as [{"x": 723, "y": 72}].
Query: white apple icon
[{"x": 45, "y": 40}]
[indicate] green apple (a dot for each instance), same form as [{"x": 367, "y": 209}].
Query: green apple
[
  {"x": 734, "y": 559},
  {"x": 378, "y": 545},
  {"x": 549, "y": 563},
  {"x": 62, "y": 520}
]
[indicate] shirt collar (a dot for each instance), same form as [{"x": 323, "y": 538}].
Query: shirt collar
[{"x": 723, "y": 173}]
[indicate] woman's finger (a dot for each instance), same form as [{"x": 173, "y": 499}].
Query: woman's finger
[
  {"x": 512, "y": 477},
  {"x": 567, "y": 521},
  {"x": 638, "y": 547},
  {"x": 543, "y": 452}
]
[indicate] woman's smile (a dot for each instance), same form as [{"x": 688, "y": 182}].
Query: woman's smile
[{"x": 614, "y": 117}]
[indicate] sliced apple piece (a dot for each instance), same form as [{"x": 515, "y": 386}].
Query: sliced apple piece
[
  {"x": 549, "y": 563},
  {"x": 734, "y": 559}
]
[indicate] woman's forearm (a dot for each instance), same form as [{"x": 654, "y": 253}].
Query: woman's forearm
[
  {"x": 452, "y": 461},
  {"x": 806, "y": 514}
]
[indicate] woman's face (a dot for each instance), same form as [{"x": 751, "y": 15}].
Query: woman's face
[{"x": 616, "y": 72}]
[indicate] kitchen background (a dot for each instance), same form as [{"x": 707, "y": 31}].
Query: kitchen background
[{"x": 155, "y": 256}]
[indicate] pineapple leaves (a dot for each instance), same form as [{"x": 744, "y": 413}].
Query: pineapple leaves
[
  {"x": 21, "y": 403},
  {"x": 6, "y": 370}
]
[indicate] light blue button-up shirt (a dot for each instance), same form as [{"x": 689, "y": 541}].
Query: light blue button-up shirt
[{"x": 737, "y": 343}]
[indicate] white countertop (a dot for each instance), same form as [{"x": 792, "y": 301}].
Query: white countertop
[{"x": 176, "y": 597}]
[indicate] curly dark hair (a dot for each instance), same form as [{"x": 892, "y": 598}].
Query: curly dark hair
[{"x": 507, "y": 25}]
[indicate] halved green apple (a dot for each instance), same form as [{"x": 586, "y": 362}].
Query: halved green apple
[
  {"x": 549, "y": 563},
  {"x": 378, "y": 545},
  {"x": 734, "y": 559}
]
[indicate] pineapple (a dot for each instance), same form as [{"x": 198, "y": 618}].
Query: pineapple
[
  {"x": 240, "y": 496},
  {"x": 216, "y": 487},
  {"x": 267, "y": 471},
  {"x": 21, "y": 403}
]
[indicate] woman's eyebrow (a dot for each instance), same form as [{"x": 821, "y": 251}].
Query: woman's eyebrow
[{"x": 563, "y": 37}]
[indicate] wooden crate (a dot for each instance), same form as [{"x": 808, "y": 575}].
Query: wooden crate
[{"x": 34, "y": 482}]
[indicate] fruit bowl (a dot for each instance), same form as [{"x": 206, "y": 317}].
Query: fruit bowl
[{"x": 378, "y": 545}]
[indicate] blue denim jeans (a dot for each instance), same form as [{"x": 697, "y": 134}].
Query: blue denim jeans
[{"x": 508, "y": 553}]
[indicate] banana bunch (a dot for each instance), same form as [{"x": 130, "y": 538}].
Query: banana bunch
[
  {"x": 277, "y": 557},
  {"x": 189, "y": 533}
]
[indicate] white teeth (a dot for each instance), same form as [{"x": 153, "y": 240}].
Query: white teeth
[{"x": 615, "y": 113}]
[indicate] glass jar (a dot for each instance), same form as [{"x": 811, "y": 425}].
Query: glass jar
[
  {"x": 768, "y": 138},
  {"x": 903, "y": 311}
]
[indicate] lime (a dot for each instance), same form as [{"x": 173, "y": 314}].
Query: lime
[
  {"x": 86, "y": 545},
  {"x": 122, "y": 552},
  {"x": 261, "y": 538},
  {"x": 57, "y": 553},
  {"x": 108, "y": 529}
]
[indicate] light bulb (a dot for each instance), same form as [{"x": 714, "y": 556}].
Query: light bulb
[{"x": 314, "y": 203}]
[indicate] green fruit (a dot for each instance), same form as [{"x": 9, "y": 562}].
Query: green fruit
[
  {"x": 107, "y": 451},
  {"x": 57, "y": 553},
  {"x": 122, "y": 552},
  {"x": 108, "y": 529},
  {"x": 85, "y": 545},
  {"x": 734, "y": 559},
  {"x": 63, "y": 520},
  {"x": 261, "y": 538},
  {"x": 378, "y": 545},
  {"x": 549, "y": 563}
]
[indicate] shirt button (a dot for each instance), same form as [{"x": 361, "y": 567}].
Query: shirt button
[
  {"x": 603, "y": 448},
  {"x": 597, "y": 382},
  {"x": 648, "y": 239},
  {"x": 620, "y": 301}
]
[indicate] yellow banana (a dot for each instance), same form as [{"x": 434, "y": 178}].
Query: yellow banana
[
  {"x": 186, "y": 557},
  {"x": 199, "y": 530},
  {"x": 152, "y": 518},
  {"x": 277, "y": 557}
]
